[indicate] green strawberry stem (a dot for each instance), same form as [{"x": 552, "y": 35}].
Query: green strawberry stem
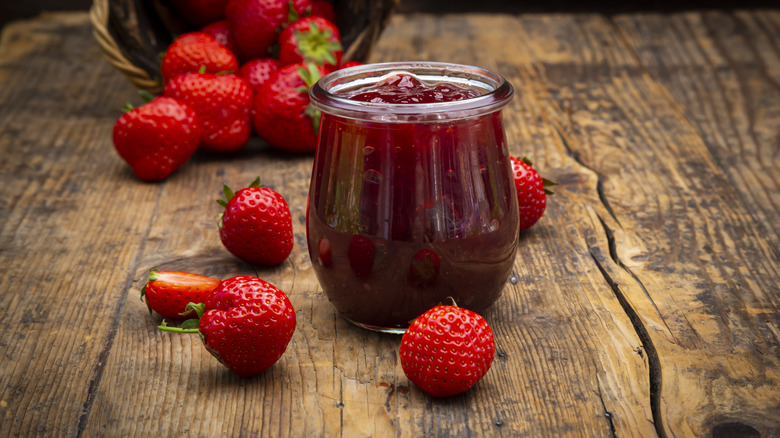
[
  {"x": 146, "y": 96},
  {"x": 229, "y": 193},
  {"x": 310, "y": 76},
  {"x": 189, "y": 326},
  {"x": 292, "y": 14},
  {"x": 316, "y": 45},
  {"x": 166, "y": 328}
]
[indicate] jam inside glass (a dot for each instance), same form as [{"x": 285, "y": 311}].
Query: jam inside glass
[{"x": 412, "y": 201}]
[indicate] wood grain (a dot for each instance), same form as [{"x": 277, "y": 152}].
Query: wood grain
[{"x": 644, "y": 303}]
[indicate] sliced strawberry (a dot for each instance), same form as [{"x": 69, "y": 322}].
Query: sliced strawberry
[{"x": 169, "y": 292}]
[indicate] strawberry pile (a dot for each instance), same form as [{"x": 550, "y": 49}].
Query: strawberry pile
[{"x": 247, "y": 68}]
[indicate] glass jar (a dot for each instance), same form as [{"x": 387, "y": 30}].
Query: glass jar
[{"x": 411, "y": 205}]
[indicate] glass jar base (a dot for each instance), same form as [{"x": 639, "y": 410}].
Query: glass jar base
[{"x": 390, "y": 330}]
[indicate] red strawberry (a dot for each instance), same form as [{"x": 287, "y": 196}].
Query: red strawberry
[
  {"x": 195, "y": 51},
  {"x": 169, "y": 292},
  {"x": 258, "y": 71},
  {"x": 256, "y": 225},
  {"x": 220, "y": 31},
  {"x": 531, "y": 192},
  {"x": 446, "y": 350},
  {"x": 246, "y": 325},
  {"x": 256, "y": 24},
  {"x": 324, "y": 9},
  {"x": 157, "y": 138},
  {"x": 223, "y": 104},
  {"x": 283, "y": 116},
  {"x": 325, "y": 251},
  {"x": 311, "y": 39},
  {"x": 200, "y": 12}
]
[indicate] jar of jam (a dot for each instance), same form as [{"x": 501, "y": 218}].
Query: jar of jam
[{"x": 412, "y": 201}]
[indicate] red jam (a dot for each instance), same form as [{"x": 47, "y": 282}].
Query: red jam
[
  {"x": 403, "y": 216},
  {"x": 407, "y": 88}
]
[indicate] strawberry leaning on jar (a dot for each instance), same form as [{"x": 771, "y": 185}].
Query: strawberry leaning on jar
[
  {"x": 256, "y": 225},
  {"x": 311, "y": 39},
  {"x": 223, "y": 103},
  {"x": 531, "y": 191},
  {"x": 246, "y": 323},
  {"x": 283, "y": 114},
  {"x": 446, "y": 350},
  {"x": 194, "y": 52},
  {"x": 169, "y": 292},
  {"x": 157, "y": 138}
]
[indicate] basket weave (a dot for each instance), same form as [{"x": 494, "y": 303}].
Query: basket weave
[{"x": 133, "y": 33}]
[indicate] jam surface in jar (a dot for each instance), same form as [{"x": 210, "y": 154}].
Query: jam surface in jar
[
  {"x": 404, "y": 216},
  {"x": 400, "y": 88}
]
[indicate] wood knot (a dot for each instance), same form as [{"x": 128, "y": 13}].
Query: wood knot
[{"x": 734, "y": 430}]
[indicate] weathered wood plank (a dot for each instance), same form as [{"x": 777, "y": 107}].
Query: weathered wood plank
[
  {"x": 698, "y": 273},
  {"x": 725, "y": 79},
  {"x": 68, "y": 241}
]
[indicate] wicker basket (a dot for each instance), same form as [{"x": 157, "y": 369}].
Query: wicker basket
[{"x": 133, "y": 33}]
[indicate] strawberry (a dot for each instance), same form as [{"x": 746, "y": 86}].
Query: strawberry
[
  {"x": 246, "y": 323},
  {"x": 220, "y": 31},
  {"x": 531, "y": 192},
  {"x": 169, "y": 292},
  {"x": 157, "y": 138},
  {"x": 258, "y": 71},
  {"x": 324, "y": 9},
  {"x": 446, "y": 350},
  {"x": 325, "y": 251},
  {"x": 200, "y": 12},
  {"x": 283, "y": 115},
  {"x": 194, "y": 51},
  {"x": 256, "y": 225},
  {"x": 223, "y": 104},
  {"x": 311, "y": 39},
  {"x": 256, "y": 24}
]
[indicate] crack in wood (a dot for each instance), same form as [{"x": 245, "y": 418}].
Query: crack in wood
[
  {"x": 607, "y": 414},
  {"x": 599, "y": 182},
  {"x": 653, "y": 361}
]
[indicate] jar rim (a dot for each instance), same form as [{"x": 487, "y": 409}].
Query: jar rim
[{"x": 497, "y": 92}]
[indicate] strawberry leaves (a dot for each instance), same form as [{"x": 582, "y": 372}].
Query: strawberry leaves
[{"x": 310, "y": 75}]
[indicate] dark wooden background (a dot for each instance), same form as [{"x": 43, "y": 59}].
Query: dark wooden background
[{"x": 12, "y": 9}]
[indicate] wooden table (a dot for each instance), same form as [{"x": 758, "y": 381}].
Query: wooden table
[{"x": 646, "y": 300}]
